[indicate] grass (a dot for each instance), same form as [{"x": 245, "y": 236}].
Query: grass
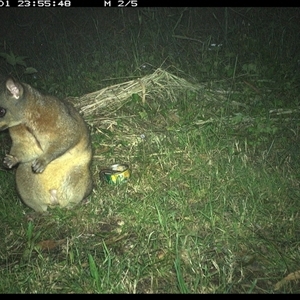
[{"x": 212, "y": 204}]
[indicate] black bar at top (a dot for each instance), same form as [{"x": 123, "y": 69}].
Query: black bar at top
[{"x": 87, "y": 3}]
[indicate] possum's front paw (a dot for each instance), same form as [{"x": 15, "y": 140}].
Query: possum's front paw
[
  {"x": 39, "y": 165},
  {"x": 9, "y": 161}
]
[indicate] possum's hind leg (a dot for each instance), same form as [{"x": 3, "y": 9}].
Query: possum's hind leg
[
  {"x": 78, "y": 186},
  {"x": 53, "y": 197}
]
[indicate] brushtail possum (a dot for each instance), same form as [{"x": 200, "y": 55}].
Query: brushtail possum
[{"x": 51, "y": 147}]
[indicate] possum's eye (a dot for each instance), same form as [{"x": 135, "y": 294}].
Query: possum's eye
[{"x": 2, "y": 112}]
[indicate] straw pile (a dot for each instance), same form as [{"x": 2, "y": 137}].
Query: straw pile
[{"x": 106, "y": 102}]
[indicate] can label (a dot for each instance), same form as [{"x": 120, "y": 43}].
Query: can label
[{"x": 115, "y": 174}]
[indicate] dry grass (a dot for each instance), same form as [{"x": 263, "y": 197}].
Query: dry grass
[{"x": 160, "y": 84}]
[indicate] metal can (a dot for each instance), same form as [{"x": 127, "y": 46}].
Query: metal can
[{"x": 116, "y": 173}]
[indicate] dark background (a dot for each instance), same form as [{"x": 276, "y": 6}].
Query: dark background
[{"x": 87, "y": 45}]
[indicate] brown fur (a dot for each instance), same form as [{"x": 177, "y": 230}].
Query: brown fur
[{"x": 51, "y": 145}]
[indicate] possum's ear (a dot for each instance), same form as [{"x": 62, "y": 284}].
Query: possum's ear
[{"x": 14, "y": 88}]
